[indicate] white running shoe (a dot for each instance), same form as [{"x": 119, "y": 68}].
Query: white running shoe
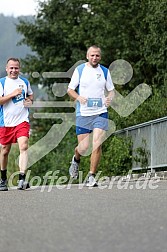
[
  {"x": 91, "y": 182},
  {"x": 74, "y": 169}
]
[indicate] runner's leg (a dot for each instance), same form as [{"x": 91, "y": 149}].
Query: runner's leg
[
  {"x": 5, "y": 149},
  {"x": 98, "y": 136},
  {"x": 23, "y": 158}
]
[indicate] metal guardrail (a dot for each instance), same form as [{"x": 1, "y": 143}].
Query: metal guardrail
[{"x": 154, "y": 134}]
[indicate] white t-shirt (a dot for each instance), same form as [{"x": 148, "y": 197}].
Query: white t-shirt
[
  {"x": 13, "y": 112},
  {"x": 92, "y": 85}
]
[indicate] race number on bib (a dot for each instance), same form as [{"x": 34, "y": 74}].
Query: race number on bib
[
  {"x": 19, "y": 98},
  {"x": 94, "y": 102}
]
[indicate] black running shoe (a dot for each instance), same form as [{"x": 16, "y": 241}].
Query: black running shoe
[
  {"x": 3, "y": 185},
  {"x": 22, "y": 185}
]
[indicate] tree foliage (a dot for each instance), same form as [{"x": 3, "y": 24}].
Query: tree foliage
[{"x": 134, "y": 31}]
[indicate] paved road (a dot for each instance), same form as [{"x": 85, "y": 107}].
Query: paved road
[{"x": 85, "y": 220}]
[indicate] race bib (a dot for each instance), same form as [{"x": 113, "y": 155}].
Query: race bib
[
  {"x": 94, "y": 102},
  {"x": 19, "y": 98}
]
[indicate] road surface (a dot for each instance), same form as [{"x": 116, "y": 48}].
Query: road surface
[{"x": 121, "y": 218}]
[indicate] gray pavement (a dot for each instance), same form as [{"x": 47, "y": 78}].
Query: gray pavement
[{"x": 122, "y": 217}]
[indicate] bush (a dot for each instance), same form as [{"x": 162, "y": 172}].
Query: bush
[{"x": 117, "y": 156}]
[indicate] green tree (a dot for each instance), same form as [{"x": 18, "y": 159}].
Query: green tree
[{"x": 134, "y": 31}]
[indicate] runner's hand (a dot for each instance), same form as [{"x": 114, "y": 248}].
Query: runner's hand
[
  {"x": 81, "y": 99},
  {"x": 108, "y": 101},
  {"x": 27, "y": 102}
]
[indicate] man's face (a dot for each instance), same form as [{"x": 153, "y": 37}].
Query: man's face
[
  {"x": 94, "y": 56},
  {"x": 13, "y": 69}
]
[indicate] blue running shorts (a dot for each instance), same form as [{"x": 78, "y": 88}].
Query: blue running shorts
[{"x": 86, "y": 124}]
